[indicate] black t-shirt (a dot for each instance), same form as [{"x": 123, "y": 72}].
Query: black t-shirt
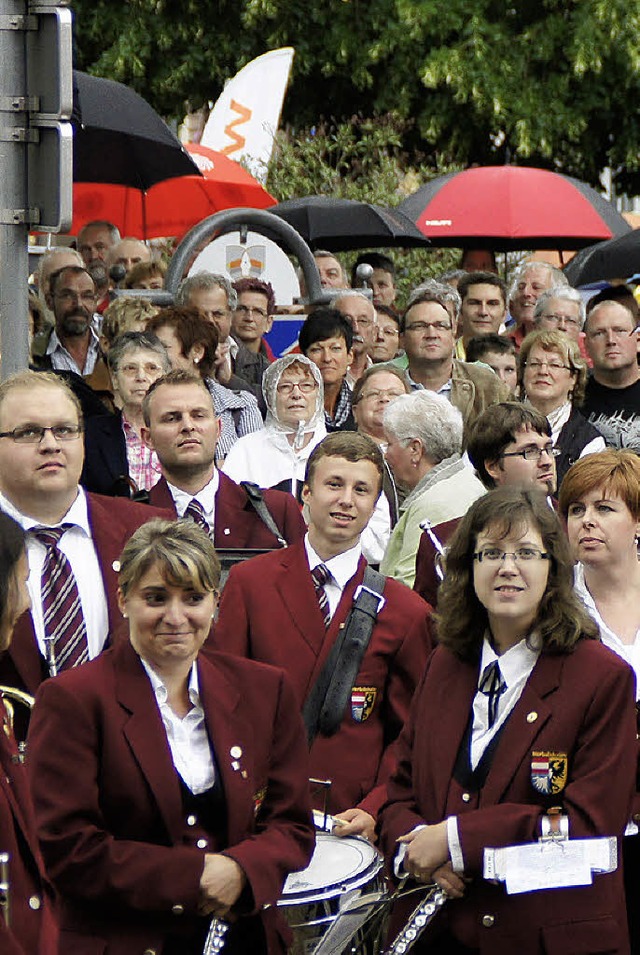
[{"x": 615, "y": 412}]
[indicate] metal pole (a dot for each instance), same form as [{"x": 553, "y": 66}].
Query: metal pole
[{"x": 14, "y": 216}]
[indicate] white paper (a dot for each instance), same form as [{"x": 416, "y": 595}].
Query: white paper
[{"x": 550, "y": 865}]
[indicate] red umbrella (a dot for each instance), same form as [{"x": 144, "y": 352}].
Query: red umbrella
[
  {"x": 172, "y": 207},
  {"x": 512, "y": 207}
]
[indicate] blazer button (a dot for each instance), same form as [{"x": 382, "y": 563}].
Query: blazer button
[
  {"x": 636, "y": 817},
  {"x": 202, "y": 843},
  {"x": 178, "y": 910},
  {"x": 488, "y": 921},
  {"x": 466, "y": 797},
  {"x": 149, "y": 951},
  {"x": 35, "y": 902},
  {"x": 191, "y": 820}
]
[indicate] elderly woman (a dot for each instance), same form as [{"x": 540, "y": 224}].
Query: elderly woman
[
  {"x": 169, "y": 787},
  {"x": 424, "y": 435},
  {"x": 277, "y": 456},
  {"x": 552, "y": 375},
  {"x": 117, "y": 462},
  {"x": 191, "y": 342},
  {"x": 600, "y": 501},
  {"x": 27, "y": 925},
  {"x": 532, "y": 713}
]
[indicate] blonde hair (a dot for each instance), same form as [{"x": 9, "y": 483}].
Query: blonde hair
[
  {"x": 28, "y": 380},
  {"x": 182, "y": 551},
  {"x": 554, "y": 341}
]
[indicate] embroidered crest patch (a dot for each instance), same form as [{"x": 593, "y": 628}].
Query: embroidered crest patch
[
  {"x": 363, "y": 699},
  {"x": 549, "y": 772}
]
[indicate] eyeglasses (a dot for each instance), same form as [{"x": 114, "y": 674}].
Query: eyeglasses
[
  {"x": 66, "y": 295},
  {"x": 306, "y": 387},
  {"x": 494, "y": 555},
  {"x": 556, "y": 319},
  {"x": 553, "y": 366},
  {"x": 423, "y": 326},
  {"x": 33, "y": 434},
  {"x": 532, "y": 453},
  {"x": 132, "y": 370},
  {"x": 382, "y": 393},
  {"x": 245, "y": 310}
]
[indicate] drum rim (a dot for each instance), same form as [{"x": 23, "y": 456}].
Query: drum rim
[{"x": 337, "y": 888}]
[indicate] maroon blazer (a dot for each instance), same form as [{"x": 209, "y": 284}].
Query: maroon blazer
[
  {"x": 112, "y": 521},
  {"x": 269, "y": 612},
  {"x": 34, "y": 930},
  {"x": 581, "y": 704},
  {"x": 236, "y": 522},
  {"x": 427, "y": 581},
  {"x": 109, "y": 809}
]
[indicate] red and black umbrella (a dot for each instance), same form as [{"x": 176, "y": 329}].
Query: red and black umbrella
[{"x": 512, "y": 207}]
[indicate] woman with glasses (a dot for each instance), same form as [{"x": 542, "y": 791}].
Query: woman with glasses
[
  {"x": 521, "y": 710},
  {"x": 277, "y": 456},
  {"x": 552, "y": 376},
  {"x": 600, "y": 501}
]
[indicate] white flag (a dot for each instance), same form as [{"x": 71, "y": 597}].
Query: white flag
[{"x": 245, "y": 118}]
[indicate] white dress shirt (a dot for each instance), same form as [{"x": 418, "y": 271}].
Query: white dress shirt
[
  {"x": 187, "y": 737},
  {"x": 78, "y": 546},
  {"x": 342, "y": 568},
  {"x": 206, "y": 497}
]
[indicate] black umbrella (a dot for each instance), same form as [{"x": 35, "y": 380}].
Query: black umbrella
[
  {"x": 118, "y": 138},
  {"x": 614, "y": 259},
  {"x": 343, "y": 224}
]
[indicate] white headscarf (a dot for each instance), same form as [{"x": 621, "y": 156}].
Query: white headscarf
[{"x": 270, "y": 381}]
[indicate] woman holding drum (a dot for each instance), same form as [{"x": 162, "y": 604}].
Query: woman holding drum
[
  {"x": 521, "y": 710},
  {"x": 169, "y": 788}
]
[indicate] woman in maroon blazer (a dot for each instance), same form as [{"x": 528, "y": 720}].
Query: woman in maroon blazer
[
  {"x": 520, "y": 710},
  {"x": 27, "y": 925},
  {"x": 169, "y": 788}
]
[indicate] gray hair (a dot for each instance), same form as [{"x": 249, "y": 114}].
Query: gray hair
[
  {"x": 557, "y": 275},
  {"x": 130, "y": 342},
  {"x": 113, "y": 230},
  {"x": 354, "y": 293},
  {"x": 206, "y": 282},
  {"x": 428, "y": 417},
  {"x": 51, "y": 254},
  {"x": 440, "y": 292},
  {"x": 566, "y": 294}
]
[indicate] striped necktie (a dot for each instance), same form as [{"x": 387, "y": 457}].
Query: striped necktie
[
  {"x": 64, "y": 626},
  {"x": 321, "y": 576},
  {"x": 195, "y": 511},
  {"x": 492, "y": 685}
]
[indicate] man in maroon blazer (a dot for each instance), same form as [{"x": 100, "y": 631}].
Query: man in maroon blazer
[
  {"x": 41, "y": 454},
  {"x": 181, "y": 427},
  {"x": 270, "y": 611}
]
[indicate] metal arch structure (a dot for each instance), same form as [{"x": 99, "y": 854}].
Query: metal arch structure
[{"x": 233, "y": 220}]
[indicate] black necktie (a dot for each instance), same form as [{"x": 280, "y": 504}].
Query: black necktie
[{"x": 493, "y": 686}]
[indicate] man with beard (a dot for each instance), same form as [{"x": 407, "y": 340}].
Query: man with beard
[{"x": 73, "y": 344}]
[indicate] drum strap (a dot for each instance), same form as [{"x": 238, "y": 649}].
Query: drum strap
[
  {"x": 324, "y": 707},
  {"x": 256, "y": 499}
]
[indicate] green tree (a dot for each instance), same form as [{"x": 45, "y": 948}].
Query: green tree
[{"x": 553, "y": 83}]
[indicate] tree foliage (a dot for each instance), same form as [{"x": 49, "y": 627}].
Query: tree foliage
[{"x": 553, "y": 83}]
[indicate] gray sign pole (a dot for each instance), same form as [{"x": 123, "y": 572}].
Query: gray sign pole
[{"x": 14, "y": 214}]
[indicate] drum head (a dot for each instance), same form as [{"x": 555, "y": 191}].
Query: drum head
[{"x": 336, "y": 866}]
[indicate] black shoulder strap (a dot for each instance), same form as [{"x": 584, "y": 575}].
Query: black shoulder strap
[
  {"x": 325, "y": 705},
  {"x": 254, "y": 493}
]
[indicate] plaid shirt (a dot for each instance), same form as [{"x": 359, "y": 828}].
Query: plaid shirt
[
  {"x": 238, "y": 413},
  {"x": 342, "y": 409},
  {"x": 144, "y": 467}
]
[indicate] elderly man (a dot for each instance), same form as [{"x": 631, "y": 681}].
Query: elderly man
[
  {"x": 612, "y": 402},
  {"x": 561, "y": 308},
  {"x": 73, "y": 344},
  {"x": 483, "y": 307},
  {"x": 428, "y": 337},
  {"x": 529, "y": 282},
  {"x": 127, "y": 253},
  {"x": 95, "y": 239},
  {"x": 74, "y": 538},
  {"x": 214, "y": 296},
  {"x": 359, "y": 310}
]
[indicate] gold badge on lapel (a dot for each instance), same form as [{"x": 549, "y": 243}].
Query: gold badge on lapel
[
  {"x": 258, "y": 799},
  {"x": 363, "y": 700},
  {"x": 549, "y": 772}
]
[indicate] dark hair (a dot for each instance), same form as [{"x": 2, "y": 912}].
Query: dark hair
[
  {"x": 479, "y": 345},
  {"x": 176, "y": 377},
  {"x": 377, "y": 260},
  {"x": 191, "y": 329},
  {"x": 561, "y": 619},
  {"x": 496, "y": 428},
  {"x": 54, "y": 278},
  {"x": 256, "y": 285},
  {"x": 12, "y": 546},
  {"x": 324, "y": 323},
  {"x": 350, "y": 445},
  {"x": 390, "y": 312},
  {"x": 481, "y": 278}
]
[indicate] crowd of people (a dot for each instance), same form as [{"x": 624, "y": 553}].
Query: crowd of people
[{"x": 390, "y": 579}]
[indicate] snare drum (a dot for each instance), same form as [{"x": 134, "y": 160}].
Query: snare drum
[{"x": 340, "y": 869}]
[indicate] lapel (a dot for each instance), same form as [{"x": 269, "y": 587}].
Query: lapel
[
  {"x": 145, "y": 734},
  {"x": 456, "y": 689},
  {"x": 108, "y": 543},
  {"x": 233, "y": 521},
  {"x": 25, "y": 654},
  {"x": 160, "y": 496},
  {"x": 529, "y": 716},
  {"x": 233, "y": 743}
]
